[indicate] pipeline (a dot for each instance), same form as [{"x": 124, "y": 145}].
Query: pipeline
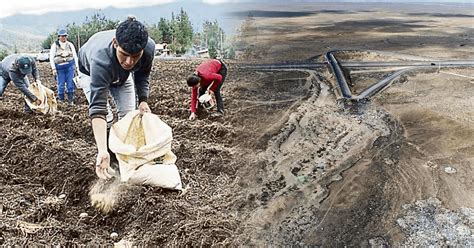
[
  {"x": 341, "y": 80},
  {"x": 384, "y": 83},
  {"x": 336, "y": 68}
]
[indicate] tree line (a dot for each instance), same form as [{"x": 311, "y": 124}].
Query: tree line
[{"x": 177, "y": 32}]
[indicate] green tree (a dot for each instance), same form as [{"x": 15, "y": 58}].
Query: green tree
[
  {"x": 177, "y": 32},
  {"x": 48, "y": 41},
  {"x": 213, "y": 38},
  {"x": 161, "y": 32},
  {"x": 154, "y": 33},
  {"x": 79, "y": 34},
  {"x": 212, "y": 51},
  {"x": 182, "y": 32},
  {"x": 166, "y": 31},
  {"x": 229, "y": 53},
  {"x": 3, "y": 54}
]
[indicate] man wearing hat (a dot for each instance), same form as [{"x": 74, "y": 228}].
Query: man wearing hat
[
  {"x": 15, "y": 68},
  {"x": 63, "y": 60}
]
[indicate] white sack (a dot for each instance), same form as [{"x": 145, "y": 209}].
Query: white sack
[
  {"x": 48, "y": 100},
  {"x": 139, "y": 141}
]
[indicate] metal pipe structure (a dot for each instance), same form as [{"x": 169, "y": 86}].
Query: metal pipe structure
[
  {"x": 315, "y": 65},
  {"x": 379, "y": 86},
  {"x": 336, "y": 68},
  {"x": 384, "y": 83},
  {"x": 296, "y": 66},
  {"x": 341, "y": 80},
  {"x": 434, "y": 63}
]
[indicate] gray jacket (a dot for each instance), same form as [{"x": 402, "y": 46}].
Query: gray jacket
[
  {"x": 10, "y": 72},
  {"x": 97, "y": 59}
]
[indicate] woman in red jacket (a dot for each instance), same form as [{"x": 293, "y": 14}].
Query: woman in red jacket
[{"x": 209, "y": 75}]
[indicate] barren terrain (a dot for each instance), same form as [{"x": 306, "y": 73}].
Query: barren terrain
[
  {"x": 394, "y": 171},
  {"x": 288, "y": 164}
]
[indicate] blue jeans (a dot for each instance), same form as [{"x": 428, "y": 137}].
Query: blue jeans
[
  {"x": 65, "y": 77},
  {"x": 123, "y": 96}
]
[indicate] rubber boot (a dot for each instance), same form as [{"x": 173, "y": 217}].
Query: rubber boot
[
  {"x": 27, "y": 109},
  {"x": 70, "y": 98},
  {"x": 61, "y": 97}
]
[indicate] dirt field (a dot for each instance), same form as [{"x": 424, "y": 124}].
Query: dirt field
[{"x": 287, "y": 165}]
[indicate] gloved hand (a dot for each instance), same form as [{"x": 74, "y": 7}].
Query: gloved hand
[{"x": 103, "y": 164}]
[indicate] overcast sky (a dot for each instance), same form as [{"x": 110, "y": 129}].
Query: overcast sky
[{"x": 11, "y": 7}]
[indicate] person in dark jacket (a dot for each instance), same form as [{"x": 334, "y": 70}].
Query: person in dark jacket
[
  {"x": 209, "y": 76},
  {"x": 117, "y": 63},
  {"x": 15, "y": 68}
]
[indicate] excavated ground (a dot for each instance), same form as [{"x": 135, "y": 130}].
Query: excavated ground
[{"x": 395, "y": 171}]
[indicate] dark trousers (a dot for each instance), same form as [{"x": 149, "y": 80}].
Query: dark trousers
[{"x": 217, "y": 93}]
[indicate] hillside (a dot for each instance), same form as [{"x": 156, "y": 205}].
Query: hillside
[{"x": 22, "y": 41}]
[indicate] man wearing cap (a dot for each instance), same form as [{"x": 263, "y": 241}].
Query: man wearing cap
[
  {"x": 15, "y": 68},
  {"x": 116, "y": 62},
  {"x": 63, "y": 60}
]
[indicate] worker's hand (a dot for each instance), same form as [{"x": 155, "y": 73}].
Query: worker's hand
[
  {"x": 102, "y": 164},
  {"x": 192, "y": 117},
  {"x": 55, "y": 72},
  {"x": 144, "y": 108},
  {"x": 37, "y": 102}
]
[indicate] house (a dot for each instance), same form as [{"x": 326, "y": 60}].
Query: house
[
  {"x": 204, "y": 53},
  {"x": 162, "y": 50}
]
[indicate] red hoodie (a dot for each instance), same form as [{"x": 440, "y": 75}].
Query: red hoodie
[{"x": 208, "y": 71}]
